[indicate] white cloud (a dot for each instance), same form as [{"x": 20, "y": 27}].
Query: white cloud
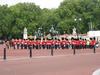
[{"x": 41, "y": 3}]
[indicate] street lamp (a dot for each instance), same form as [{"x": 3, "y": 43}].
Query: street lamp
[
  {"x": 90, "y": 25},
  {"x": 77, "y": 20}
]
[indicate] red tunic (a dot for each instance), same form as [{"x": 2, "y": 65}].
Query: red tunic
[
  {"x": 49, "y": 42},
  {"x": 63, "y": 42},
  {"x": 43, "y": 43},
  {"x": 92, "y": 42}
]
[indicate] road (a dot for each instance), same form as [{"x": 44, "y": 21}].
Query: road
[{"x": 80, "y": 64}]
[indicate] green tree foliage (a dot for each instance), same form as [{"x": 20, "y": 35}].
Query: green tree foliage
[
  {"x": 13, "y": 19},
  {"x": 6, "y": 20},
  {"x": 26, "y": 15}
]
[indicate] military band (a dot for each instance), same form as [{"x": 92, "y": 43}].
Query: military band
[{"x": 63, "y": 43}]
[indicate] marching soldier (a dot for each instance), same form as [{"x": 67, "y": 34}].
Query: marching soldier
[{"x": 63, "y": 43}]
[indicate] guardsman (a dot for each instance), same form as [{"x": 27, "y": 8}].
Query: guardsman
[
  {"x": 25, "y": 44},
  {"x": 83, "y": 44},
  {"x": 40, "y": 43},
  {"x": 63, "y": 43},
  {"x": 33, "y": 44},
  {"x": 73, "y": 43},
  {"x": 67, "y": 43},
  {"x": 92, "y": 43},
  {"x": 48, "y": 44},
  {"x": 80, "y": 46},
  {"x": 77, "y": 44},
  {"x": 37, "y": 44},
  {"x": 57, "y": 44},
  {"x": 43, "y": 43}
]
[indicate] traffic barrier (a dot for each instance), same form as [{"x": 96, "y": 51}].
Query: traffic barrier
[
  {"x": 94, "y": 50},
  {"x": 30, "y": 52},
  {"x": 4, "y": 54},
  {"x": 74, "y": 51}
]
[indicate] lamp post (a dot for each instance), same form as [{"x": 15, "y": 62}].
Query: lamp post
[
  {"x": 77, "y": 20},
  {"x": 90, "y": 25}
]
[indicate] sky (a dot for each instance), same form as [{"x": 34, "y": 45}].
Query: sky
[{"x": 42, "y": 3}]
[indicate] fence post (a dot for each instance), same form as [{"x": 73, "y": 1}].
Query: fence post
[
  {"x": 74, "y": 51},
  {"x": 30, "y": 52},
  {"x": 4, "y": 55},
  {"x": 94, "y": 50},
  {"x": 52, "y": 50}
]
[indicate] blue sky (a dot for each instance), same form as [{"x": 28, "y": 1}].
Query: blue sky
[{"x": 42, "y": 3}]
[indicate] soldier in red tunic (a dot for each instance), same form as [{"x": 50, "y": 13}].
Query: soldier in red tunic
[
  {"x": 36, "y": 44},
  {"x": 55, "y": 42},
  {"x": 92, "y": 43},
  {"x": 67, "y": 43},
  {"x": 63, "y": 43},
  {"x": 22, "y": 43},
  {"x": 49, "y": 44},
  {"x": 43, "y": 43}
]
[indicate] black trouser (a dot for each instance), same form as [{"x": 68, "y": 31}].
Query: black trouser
[
  {"x": 80, "y": 46},
  {"x": 72, "y": 46},
  {"x": 67, "y": 46},
  {"x": 29, "y": 46},
  {"x": 56, "y": 46},
  {"x": 43, "y": 46},
  {"x": 63, "y": 46},
  {"x": 48, "y": 46},
  {"x": 33, "y": 46},
  {"x": 25, "y": 46},
  {"x": 91, "y": 46},
  {"x": 37, "y": 46},
  {"x": 18, "y": 46},
  {"x": 22, "y": 46}
]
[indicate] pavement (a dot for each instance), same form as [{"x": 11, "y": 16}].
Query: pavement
[
  {"x": 84, "y": 62},
  {"x": 52, "y": 65}
]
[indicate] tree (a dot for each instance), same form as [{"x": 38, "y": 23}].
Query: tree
[
  {"x": 13, "y": 19},
  {"x": 6, "y": 19},
  {"x": 26, "y": 15}
]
